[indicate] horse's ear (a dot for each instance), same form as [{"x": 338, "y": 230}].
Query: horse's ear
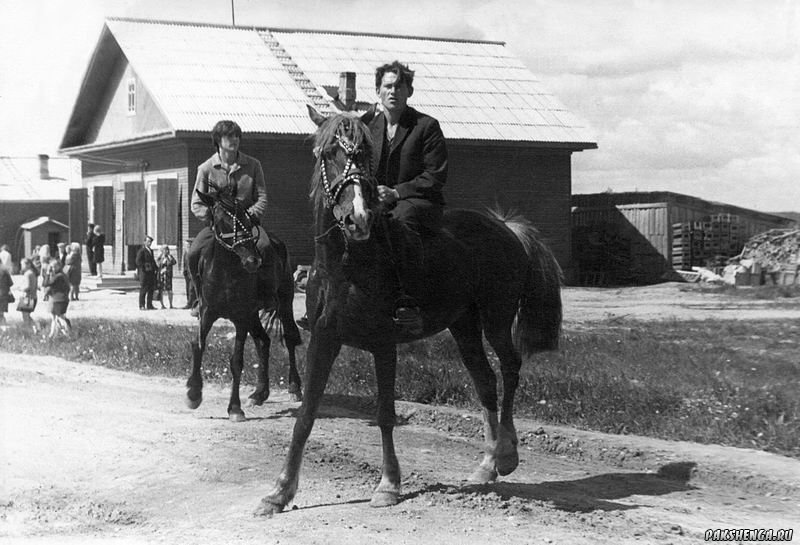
[
  {"x": 367, "y": 116},
  {"x": 315, "y": 116},
  {"x": 207, "y": 199}
]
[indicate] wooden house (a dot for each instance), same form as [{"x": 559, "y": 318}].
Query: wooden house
[
  {"x": 154, "y": 89},
  {"x": 641, "y": 237}
]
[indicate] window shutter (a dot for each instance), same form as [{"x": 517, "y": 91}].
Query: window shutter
[
  {"x": 104, "y": 211},
  {"x": 78, "y": 213},
  {"x": 168, "y": 211},
  {"x": 134, "y": 212}
]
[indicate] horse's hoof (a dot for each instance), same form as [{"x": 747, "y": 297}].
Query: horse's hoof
[
  {"x": 384, "y": 499},
  {"x": 193, "y": 403},
  {"x": 507, "y": 462},
  {"x": 236, "y": 416},
  {"x": 267, "y": 508},
  {"x": 483, "y": 475},
  {"x": 255, "y": 401}
]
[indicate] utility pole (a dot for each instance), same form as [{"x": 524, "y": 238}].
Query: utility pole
[{"x": 233, "y": 15}]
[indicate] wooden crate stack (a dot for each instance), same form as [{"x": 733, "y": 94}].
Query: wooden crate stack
[{"x": 707, "y": 243}]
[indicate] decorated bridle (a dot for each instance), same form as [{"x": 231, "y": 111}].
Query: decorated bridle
[
  {"x": 348, "y": 176},
  {"x": 240, "y": 233}
]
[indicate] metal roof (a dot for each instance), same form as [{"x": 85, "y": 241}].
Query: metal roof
[
  {"x": 199, "y": 74},
  {"x": 20, "y": 179},
  {"x": 263, "y": 78}
]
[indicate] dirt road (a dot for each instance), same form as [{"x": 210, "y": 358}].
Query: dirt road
[{"x": 90, "y": 455}]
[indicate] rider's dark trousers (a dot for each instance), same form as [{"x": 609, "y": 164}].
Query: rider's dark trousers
[{"x": 419, "y": 218}]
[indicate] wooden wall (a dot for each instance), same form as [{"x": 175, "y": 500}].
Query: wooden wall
[{"x": 534, "y": 182}]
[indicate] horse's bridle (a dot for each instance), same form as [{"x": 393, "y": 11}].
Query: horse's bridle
[
  {"x": 239, "y": 235},
  {"x": 348, "y": 176}
]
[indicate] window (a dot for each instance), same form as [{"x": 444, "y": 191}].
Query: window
[{"x": 132, "y": 96}]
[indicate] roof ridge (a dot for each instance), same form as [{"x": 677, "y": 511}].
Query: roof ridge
[
  {"x": 304, "y": 30},
  {"x": 296, "y": 73}
]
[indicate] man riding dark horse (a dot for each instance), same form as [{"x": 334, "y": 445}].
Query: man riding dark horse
[
  {"x": 410, "y": 166},
  {"x": 228, "y": 168}
]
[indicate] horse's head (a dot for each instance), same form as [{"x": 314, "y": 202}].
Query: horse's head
[
  {"x": 233, "y": 227},
  {"x": 342, "y": 182}
]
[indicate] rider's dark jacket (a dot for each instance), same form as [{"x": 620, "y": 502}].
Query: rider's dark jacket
[{"x": 414, "y": 162}]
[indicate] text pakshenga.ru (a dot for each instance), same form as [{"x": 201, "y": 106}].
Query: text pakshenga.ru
[{"x": 749, "y": 534}]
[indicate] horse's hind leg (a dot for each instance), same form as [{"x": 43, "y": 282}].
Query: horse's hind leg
[
  {"x": 291, "y": 337},
  {"x": 510, "y": 364},
  {"x": 262, "y": 342},
  {"x": 194, "y": 393},
  {"x": 467, "y": 333},
  {"x": 235, "y": 412}
]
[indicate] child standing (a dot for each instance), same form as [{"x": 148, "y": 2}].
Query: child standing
[
  {"x": 73, "y": 270},
  {"x": 57, "y": 288},
  {"x": 27, "y": 301}
]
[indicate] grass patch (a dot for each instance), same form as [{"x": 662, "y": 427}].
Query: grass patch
[
  {"x": 761, "y": 293},
  {"x": 722, "y": 382}
]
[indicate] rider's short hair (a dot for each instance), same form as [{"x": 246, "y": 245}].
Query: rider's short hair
[
  {"x": 404, "y": 74},
  {"x": 226, "y": 127}
]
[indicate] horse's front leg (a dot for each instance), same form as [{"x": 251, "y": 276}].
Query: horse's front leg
[
  {"x": 194, "y": 393},
  {"x": 262, "y": 342},
  {"x": 388, "y": 491},
  {"x": 322, "y": 351},
  {"x": 235, "y": 412}
]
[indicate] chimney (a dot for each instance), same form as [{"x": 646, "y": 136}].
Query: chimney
[
  {"x": 44, "y": 166},
  {"x": 347, "y": 89}
]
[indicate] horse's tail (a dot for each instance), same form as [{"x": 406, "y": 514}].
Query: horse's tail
[{"x": 538, "y": 322}]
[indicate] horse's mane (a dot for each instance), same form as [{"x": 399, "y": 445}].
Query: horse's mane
[{"x": 325, "y": 142}]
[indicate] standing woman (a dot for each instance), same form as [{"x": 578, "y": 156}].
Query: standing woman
[
  {"x": 99, "y": 247},
  {"x": 73, "y": 270},
  {"x": 5, "y": 291},
  {"x": 165, "y": 261},
  {"x": 27, "y": 301}
]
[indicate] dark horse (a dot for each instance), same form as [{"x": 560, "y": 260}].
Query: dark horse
[
  {"x": 236, "y": 285},
  {"x": 485, "y": 275}
]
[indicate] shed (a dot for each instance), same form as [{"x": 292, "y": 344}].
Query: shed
[
  {"x": 32, "y": 187},
  {"x": 154, "y": 89},
  {"x": 641, "y": 237},
  {"x": 43, "y": 231}
]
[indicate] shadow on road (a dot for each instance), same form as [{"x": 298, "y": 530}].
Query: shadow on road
[{"x": 582, "y": 495}]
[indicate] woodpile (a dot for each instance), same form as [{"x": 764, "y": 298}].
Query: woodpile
[
  {"x": 774, "y": 250},
  {"x": 707, "y": 243},
  {"x": 772, "y": 257}
]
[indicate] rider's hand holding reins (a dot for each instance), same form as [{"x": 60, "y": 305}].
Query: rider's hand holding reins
[{"x": 388, "y": 194}]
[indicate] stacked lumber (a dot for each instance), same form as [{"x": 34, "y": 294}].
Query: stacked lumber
[{"x": 707, "y": 243}]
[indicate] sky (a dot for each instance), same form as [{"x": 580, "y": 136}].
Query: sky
[{"x": 700, "y": 97}]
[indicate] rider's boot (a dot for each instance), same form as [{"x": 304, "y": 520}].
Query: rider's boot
[{"x": 407, "y": 313}]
